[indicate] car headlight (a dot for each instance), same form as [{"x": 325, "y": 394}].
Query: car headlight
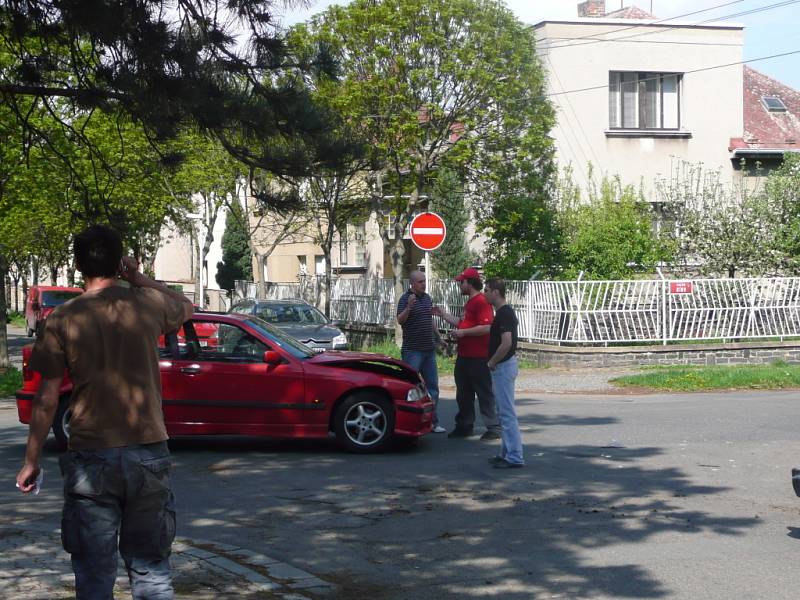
[
  {"x": 340, "y": 341},
  {"x": 415, "y": 394}
]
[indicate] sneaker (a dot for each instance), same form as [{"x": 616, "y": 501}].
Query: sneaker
[
  {"x": 460, "y": 433},
  {"x": 504, "y": 464},
  {"x": 438, "y": 429},
  {"x": 490, "y": 435}
]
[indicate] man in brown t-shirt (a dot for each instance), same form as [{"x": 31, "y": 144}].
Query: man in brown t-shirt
[{"x": 116, "y": 473}]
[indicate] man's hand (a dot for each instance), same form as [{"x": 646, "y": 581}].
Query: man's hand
[
  {"x": 128, "y": 269},
  {"x": 412, "y": 300},
  {"x": 457, "y": 333},
  {"x": 26, "y": 478},
  {"x": 437, "y": 312}
]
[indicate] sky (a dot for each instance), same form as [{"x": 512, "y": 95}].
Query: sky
[{"x": 769, "y": 32}]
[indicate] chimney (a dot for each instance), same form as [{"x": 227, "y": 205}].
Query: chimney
[{"x": 592, "y": 8}]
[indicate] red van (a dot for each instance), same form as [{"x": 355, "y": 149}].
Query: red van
[{"x": 41, "y": 301}]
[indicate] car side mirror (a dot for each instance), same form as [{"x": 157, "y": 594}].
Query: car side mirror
[{"x": 272, "y": 358}]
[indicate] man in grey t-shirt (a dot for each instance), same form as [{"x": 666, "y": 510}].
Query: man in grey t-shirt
[{"x": 420, "y": 337}]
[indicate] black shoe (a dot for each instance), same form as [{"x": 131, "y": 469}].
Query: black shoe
[
  {"x": 489, "y": 435},
  {"x": 460, "y": 433},
  {"x": 495, "y": 459},
  {"x": 504, "y": 464}
]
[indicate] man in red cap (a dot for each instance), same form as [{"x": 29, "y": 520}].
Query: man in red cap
[{"x": 472, "y": 374}]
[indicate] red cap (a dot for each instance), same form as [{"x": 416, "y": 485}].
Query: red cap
[{"x": 469, "y": 273}]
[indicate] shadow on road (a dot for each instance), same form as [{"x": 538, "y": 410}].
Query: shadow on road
[{"x": 430, "y": 520}]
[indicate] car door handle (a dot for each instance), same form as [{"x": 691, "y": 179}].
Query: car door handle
[{"x": 191, "y": 369}]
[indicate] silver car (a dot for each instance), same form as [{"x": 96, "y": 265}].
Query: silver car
[{"x": 298, "y": 319}]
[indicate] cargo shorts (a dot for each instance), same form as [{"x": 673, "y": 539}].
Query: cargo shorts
[{"x": 118, "y": 496}]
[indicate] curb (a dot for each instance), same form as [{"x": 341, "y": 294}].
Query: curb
[{"x": 36, "y": 567}]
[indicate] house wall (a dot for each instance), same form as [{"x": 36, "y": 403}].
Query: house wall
[
  {"x": 711, "y": 104},
  {"x": 173, "y": 261},
  {"x": 174, "y": 258},
  {"x": 283, "y": 265}
]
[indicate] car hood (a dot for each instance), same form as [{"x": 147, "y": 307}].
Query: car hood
[
  {"x": 306, "y": 332},
  {"x": 369, "y": 362}
]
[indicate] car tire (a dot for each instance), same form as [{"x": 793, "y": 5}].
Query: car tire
[
  {"x": 364, "y": 423},
  {"x": 61, "y": 423}
]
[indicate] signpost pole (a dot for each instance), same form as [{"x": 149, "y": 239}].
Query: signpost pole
[{"x": 427, "y": 265}]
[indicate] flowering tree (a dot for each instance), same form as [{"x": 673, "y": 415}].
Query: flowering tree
[{"x": 733, "y": 229}]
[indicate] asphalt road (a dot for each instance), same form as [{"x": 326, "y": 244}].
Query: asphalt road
[{"x": 697, "y": 504}]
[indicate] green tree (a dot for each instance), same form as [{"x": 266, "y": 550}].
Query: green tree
[
  {"x": 208, "y": 179},
  {"x": 236, "y": 262},
  {"x": 447, "y": 200},
  {"x": 430, "y": 83},
  {"x": 168, "y": 65},
  {"x": 522, "y": 228},
  {"x": 611, "y": 235}
]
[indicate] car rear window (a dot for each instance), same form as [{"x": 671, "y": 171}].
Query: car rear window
[
  {"x": 302, "y": 314},
  {"x": 279, "y": 338}
]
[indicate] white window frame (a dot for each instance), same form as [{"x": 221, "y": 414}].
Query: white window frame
[{"x": 638, "y": 81}]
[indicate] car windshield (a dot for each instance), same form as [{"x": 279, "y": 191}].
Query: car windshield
[
  {"x": 57, "y": 298},
  {"x": 279, "y": 338},
  {"x": 296, "y": 314}
]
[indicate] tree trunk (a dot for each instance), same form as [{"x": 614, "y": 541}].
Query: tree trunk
[
  {"x": 54, "y": 275},
  {"x": 25, "y": 288},
  {"x": 16, "y": 291},
  {"x": 397, "y": 255},
  {"x": 4, "y": 361}
]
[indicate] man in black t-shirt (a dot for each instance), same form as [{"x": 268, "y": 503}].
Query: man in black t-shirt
[{"x": 503, "y": 366}]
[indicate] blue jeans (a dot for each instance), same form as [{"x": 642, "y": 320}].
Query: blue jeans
[
  {"x": 119, "y": 497},
  {"x": 503, "y": 379},
  {"x": 425, "y": 364}
]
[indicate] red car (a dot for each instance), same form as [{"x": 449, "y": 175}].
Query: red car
[
  {"x": 256, "y": 380},
  {"x": 42, "y": 300}
]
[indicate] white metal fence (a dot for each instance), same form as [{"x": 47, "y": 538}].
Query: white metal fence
[{"x": 595, "y": 312}]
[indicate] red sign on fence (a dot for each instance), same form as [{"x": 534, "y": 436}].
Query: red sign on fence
[
  {"x": 680, "y": 287},
  {"x": 428, "y": 231}
]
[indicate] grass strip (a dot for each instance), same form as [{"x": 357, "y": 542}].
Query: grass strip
[
  {"x": 17, "y": 319},
  {"x": 773, "y": 376},
  {"x": 10, "y": 381}
]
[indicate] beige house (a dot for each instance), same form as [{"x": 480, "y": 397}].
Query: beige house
[
  {"x": 358, "y": 252},
  {"x": 635, "y": 96}
]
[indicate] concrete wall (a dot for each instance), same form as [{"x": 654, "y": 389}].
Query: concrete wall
[
  {"x": 688, "y": 354},
  {"x": 711, "y": 104}
]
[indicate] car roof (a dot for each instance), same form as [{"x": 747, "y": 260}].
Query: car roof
[
  {"x": 274, "y": 301},
  {"x": 60, "y": 288},
  {"x": 220, "y": 316}
]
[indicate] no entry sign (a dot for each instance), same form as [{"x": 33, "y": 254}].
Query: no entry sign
[{"x": 428, "y": 231}]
